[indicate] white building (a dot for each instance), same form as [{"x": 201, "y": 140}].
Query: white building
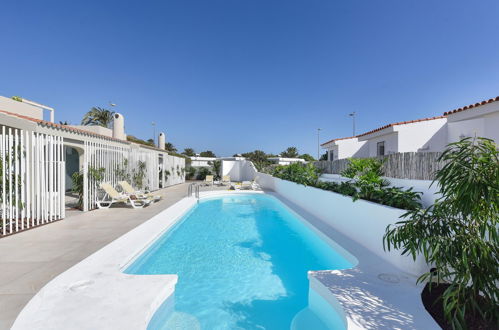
[
  {"x": 421, "y": 135},
  {"x": 39, "y": 157},
  {"x": 349, "y": 147},
  {"x": 285, "y": 161},
  {"x": 479, "y": 119},
  {"x": 198, "y": 161}
]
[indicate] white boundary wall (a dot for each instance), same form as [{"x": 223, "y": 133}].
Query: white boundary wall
[
  {"x": 239, "y": 170},
  {"x": 362, "y": 221},
  {"x": 32, "y": 179}
]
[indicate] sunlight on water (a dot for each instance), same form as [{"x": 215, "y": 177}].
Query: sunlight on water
[{"x": 242, "y": 263}]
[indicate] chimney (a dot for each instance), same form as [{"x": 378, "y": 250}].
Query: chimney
[
  {"x": 119, "y": 127},
  {"x": 162, "y": 141}
]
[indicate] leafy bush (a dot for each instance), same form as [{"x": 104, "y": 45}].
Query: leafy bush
[
  {"x": 216, "y": 168},
  {"x": 366, "y": 183},
  {"x": 398, "y": 197},
  {"x": 190, "y": 173},
  {"x": 344, "y": 188},
  {"x": 307, "y": 157},
  {"x": 459, "y": 232},
  {"x": 306, "y": 174},
  {"x": 363, "y": 168},
  {"x": 203, "y": 172},
  {"x": 139, "y": 174},
  {"x": 95, "y": 175}
]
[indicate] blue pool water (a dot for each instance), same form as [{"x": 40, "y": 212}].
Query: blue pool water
[{"x": 242, "y": 263}]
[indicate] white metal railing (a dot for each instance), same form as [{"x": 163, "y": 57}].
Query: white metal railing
[
  {"x": 193, "y": 189},
  {"x": 32, "y": 179}
]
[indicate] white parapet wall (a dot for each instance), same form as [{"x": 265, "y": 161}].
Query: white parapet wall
[
  {"x": 239, "y": 170},
  {"x": 362, "y": 221}
]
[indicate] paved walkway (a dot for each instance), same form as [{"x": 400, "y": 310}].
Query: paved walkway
[{"x": 30, "y": 259}]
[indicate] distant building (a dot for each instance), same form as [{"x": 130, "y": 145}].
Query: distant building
[
  {"x": 198, "y": 161},
  {"x": 285, "y": 161},
  {"x": 349, "y": 147},
  {"x": 47, "y": 155},
  {"x": 421, "y": 135}
]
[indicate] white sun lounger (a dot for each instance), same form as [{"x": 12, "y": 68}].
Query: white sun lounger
[
  {"x": 112, "y": 197},
  {"x": 128, "y": 189}
]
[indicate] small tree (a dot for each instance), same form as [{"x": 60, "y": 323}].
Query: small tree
[
  {"x": 203, "y": 172},
  {"x": 291, "y": 152},
  {"x": 459, "y": 233},
  {"x": 258, "y": 157},
  {"x": 99, "y": 117},
  {"x": 139, "y": 174},
  {"x": 207, "y": 153},
  {"x": 307, "y": 157},
  {"x": 189, "y": 152},
  {"x": 95, "y": 176},
  {"x": 170, "y": 147},
  {"x": 216, "y": 168}
]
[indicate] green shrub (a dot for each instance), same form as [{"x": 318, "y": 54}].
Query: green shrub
[
  {"x": 363, "y": 167},
  {"x": 366, "y": 183},
  {"x": 96, "y": 175},
  {"x": 216, "y": 169},
  {"x": 190, "y": 173},
  {"x": 305, "y": 174},
  {"x": 458, "y": 234},
  {"x": 203, "y": 172},
  {"x": 344, "y": 188}
]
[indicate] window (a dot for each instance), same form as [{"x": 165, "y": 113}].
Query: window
[
  {"x": 331, "y": 154},
  {"x": 380, "y": 147}
]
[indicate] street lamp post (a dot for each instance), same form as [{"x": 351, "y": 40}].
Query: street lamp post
[
  {"x": 318, "y": 142},
  {"x": 153, "y": 133},
  {"x": 353, "y": 121}
]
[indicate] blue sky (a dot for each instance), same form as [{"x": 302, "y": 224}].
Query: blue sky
[{"x": 237, "y": 75}]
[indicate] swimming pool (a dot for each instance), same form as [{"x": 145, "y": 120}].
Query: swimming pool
[{"x": 242, "y": 263}]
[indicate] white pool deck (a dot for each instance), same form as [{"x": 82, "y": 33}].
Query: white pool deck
[{"x": 96, "y": 294}]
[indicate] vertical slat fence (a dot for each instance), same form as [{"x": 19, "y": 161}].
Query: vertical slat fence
[
  {"x": 32, "y": 179},
  {"x": 406, "y": 165}
]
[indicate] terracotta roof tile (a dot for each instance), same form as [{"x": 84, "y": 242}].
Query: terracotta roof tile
[
  {"x": 345, "y": 138},
  {"x": 400, "y": 123},
  {"x": 471, "y": 106},
  {"x": 60, "y": 126},
  {"x": 386, "y": 126}
]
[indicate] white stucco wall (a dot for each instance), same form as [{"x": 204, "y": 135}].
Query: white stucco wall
[
  {"x": 95, "y": 129},
  {"x": 483, "y": 126},
  {"x": 239, "y": 170},
  {"x": 429, "y": 135},
  {"x": 481, "y": 121},
  {"x": 8, "y": 104},
  {"x": 491, "y": 128},
  {"x": 391, "y": 144},
  {"x": 347, "y": 148}
]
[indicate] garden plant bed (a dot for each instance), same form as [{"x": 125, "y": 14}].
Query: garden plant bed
[{"x": 433, "y": 303}]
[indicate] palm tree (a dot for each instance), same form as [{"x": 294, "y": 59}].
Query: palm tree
[
  {"x": 189, "y": 152},
  {"x": 170, "y": 147},
  {"x": 98, "y": 117},
  {"x": 291, "y": 152}
]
